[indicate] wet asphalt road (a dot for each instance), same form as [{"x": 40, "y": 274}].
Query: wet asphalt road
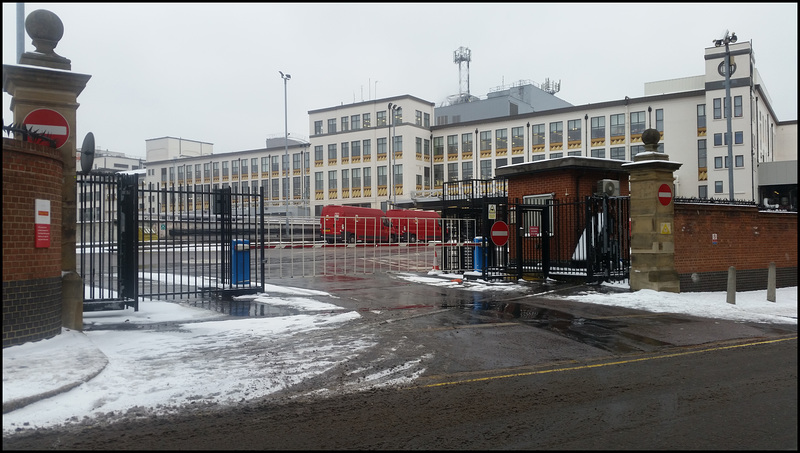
[{"x": 503, "y": 370}]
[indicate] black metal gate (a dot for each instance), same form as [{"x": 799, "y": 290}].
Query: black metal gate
[
  {"x": 587, "y": 240},
  {"x": 140, "y": 240}
]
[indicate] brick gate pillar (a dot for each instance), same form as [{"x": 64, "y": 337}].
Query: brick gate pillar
[
  {"x": 652, "y": 213},
  {"x": 44, "y": 81}
]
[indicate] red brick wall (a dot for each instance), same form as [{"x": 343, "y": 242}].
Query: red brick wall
[
  {"x": 31, "y": 276},
  {"x": 747, "y": 239},
  {"x": 567, "y": 185}
]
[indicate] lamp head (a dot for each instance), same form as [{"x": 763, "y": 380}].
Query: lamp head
[{"x": 733, "y": 37}]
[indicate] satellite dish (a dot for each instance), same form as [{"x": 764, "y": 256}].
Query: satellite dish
[{"x": 87, "y": 153}]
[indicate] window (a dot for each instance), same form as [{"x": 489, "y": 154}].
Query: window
[
  {"x": 344, "y": 124},
  {"x": 599, "y": 127},
  {"x": 253, "y": 166},
  {"x": 466, "y": 143},
  {"x": 345, "y": 179},
  {"x": 618, "y": 152},
  {"x": 517, "y": 138},
  {"x": 574, "y": 130},
  {"x": 452, "y": 144},
  {"x": 636, "y": 149},
  {"x": 536, "y": 157},
  {"x": 318, "y": 181},
  {"x": 701, "y": 116},
  {"x": 637, "y": 122},
  {"x": 264, "y": 165},
  {"x": 297, "y": 161},
  {"x": 418, "y": 145},
  {"x": 317, "y": 127},
  {"x": 427, "y": 177},
  {"x": 569, "y": 153},
  {"x": 365, "y": 119},
  {"x": 356, "y": 178},
  {"x": 486, "y": 169},
  {"x": 224, "y": 169},
  {"x": 426, "y": 147},
  {"x": 397, "y": 146},
  {"x": 318, "y": 152},
  {"x": 276, "y": 188},
  {"x": 332, "y": 126},
  {"x": 538, "y": 134},
  {"x": 438, "y": 175},
  {"x": 501, "y": 136},
  {"x": 617, "y": 125},
  {"x": 501, "y": 162},
  {"x": 556, "y": 133},
  {"x": 367, "y": 147},
  {"x": 235, "y": 168},
  {"x": 244, "y": 166},
  {"x": 382, "y": 180},
  {"x": 381, "y": 118},
  {"x": 717, "y": 139},
  {"x": 702, "y": 153},
  {"x": 521, "y": 159},
  {"x": 418, "y": 118},
  {"x": 332, "y": 151},
  {"x": 739, "y": 160},
  {"x": 398, "y": 116},
  {"x": 600, "y": 152},
  {"x": 466, "y": 170},
  {"x": 702, "y": 191},
  {"x": 345, "y": 150},
  {"x": 452, "y": 171},
  {"x": 738, "y": 137},
  {"x": 717, "y": 186},
  {"x": 556, "y": 155},
  {"x": 717, "y": 108},
  {"x": 438, "y": 146},
  {"x": 332, "y": 180},
  {"x": 718, "y": 162},
  {"x": 355, "y": 122},
  {"x": 382, "y": 147},
  {"x": 426, "y": 120},
  {"x": 486, "y": 142},
  {"x": 660, "y": 120},
  {"x": 737, "y": 106},
  {"x": 367, "y": 178},
  {"x": 275, "y": 167},
  {"x": 355, "y": 149}
]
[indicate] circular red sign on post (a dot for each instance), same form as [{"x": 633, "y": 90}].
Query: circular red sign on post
[
  {"x": 47, "y": 122},
  {"x": 664, "y": 194},
  {"x": 499, "y": 233}
]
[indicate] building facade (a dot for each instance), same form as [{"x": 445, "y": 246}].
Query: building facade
[{"x": 388, "y": 152}]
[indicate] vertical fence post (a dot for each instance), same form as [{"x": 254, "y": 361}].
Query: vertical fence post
[
  {"x": 771, "y": 277},
  {"x": 731, "y": 296}
]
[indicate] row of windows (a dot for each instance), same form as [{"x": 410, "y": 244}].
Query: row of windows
[
  {"x": 539, "y": 133},
  {"x": 235, "y": 167},
  {"x": 364, "y": 121},
  {"x": 719, "y": 112},
  {"x": 272, "y": 187},
  {"x": 702, "y": 157}
]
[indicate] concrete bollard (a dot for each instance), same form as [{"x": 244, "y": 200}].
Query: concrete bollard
[
  {"x": 771, "y": 282},
  {"x": 731, "y": 299}
]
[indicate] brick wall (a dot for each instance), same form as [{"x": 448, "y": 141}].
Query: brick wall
[
  {"x": 567, "y": 185},
  {"x": 31, "y": 276},
  {"x": 746, "y": 238}
]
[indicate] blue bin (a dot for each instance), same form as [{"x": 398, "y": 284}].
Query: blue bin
[
  {"x": 240, "y": 262},
  {"x": 477, "y": 255}
]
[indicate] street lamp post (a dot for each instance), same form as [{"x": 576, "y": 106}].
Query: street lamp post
[
  {"x": 726, "y": 40},
  {"x": 393, "y": 108},
  {"x": 286, "y": 78}
]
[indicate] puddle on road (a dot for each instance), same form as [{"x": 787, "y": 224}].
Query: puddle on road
[{"x": 606, "y": 334}]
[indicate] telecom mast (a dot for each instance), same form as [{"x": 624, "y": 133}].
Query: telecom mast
[{"x": 461, "y": 55}]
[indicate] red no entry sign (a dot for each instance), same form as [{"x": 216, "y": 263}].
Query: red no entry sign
[
  {"x": 49, "y": 122},
  {"x": 664, "y": 194},
  {"x": 499, "y": 233}
]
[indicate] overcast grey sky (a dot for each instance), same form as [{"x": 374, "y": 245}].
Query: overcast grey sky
[{"x": 209, "y": 71}]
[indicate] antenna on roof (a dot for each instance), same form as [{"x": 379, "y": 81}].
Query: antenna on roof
[{"x": 551, "y": 87}]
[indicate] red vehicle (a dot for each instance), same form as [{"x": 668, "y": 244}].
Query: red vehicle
[
  {"x": 416, "y": 225},
  {"x": 352, "y": 224}
]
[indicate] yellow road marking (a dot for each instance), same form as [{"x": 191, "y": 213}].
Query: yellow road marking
[{"x": 620, "y": 362}]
